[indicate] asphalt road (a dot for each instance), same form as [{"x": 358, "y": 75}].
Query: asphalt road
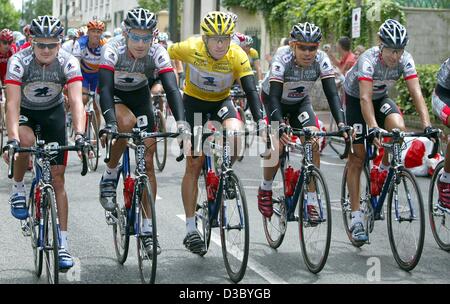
[{"x": 91, "y": 242}]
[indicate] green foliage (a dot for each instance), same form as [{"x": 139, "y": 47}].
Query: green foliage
[
  {"x": 9, "y": 18},
  {"x": 32, "y": 9},
  {"x": 154, "y": 5},
  {"x": 427, "y": 75}
]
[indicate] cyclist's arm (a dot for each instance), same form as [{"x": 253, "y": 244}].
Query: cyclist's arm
[
  {"x": 76, "y": 105},
  {"x": 330, "y": 90},
  {"x": 13, "y": 110},
  {"x": 106, "y": 87},
  {"x": 419, "y": 102},
  {"x": 173, "y": 95},
  {"x": 275, "y": 93},
  {"x": 366, "y": 93},
  {"x": 249, "y": 87},
  {"x": 257, "y": 64}
]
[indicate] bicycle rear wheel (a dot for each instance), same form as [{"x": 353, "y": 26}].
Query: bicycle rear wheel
[
  {"x": 439, "y": 217},
  {"x": 365, "y": 205},
  {"x": 92, "y": 137},
  {"x": 161, "y": 144},
  {"x": 34, "y": 229},
  {"x": 405, "y": 220},
  {"x": 275, "y": 227},
  {"x": 147, "y": 261},
  {"x": 2, "y": 125},
  {"x": 234, "y": 228},
  {"x": 202, "y": 218},
  {"x": 121, "y": 230},
  {"x": 315, "y": 236},
  {"x": 51, "y": 242}
]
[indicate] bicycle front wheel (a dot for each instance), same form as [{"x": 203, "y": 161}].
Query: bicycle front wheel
[
  {"x": 161, "y": 144},
  {"x": 51, "y": 243},
  {"x": 34, "y": 218},
  {"x": 92, "y": 137},
  {"x": 147, "y": 259},
  {"x": 405, "y": 220},
  {"x": 234, "y": 228},
  {"x": 439, "y": 217},
  {"x": 202, "y": 213},
  {"x": 120, "y": 225},
  {"x": 315, "y": 233}
]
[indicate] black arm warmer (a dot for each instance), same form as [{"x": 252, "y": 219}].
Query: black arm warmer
[
  {"x": 169, "y": 82},
  {"x": 330, "y": 90},
  {"x": 106, "y": 87},
  {"x": 275, "y": 93},
  {"x": 249, "y": 87}
]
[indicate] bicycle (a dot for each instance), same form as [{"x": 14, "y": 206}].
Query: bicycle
[
  {"x": 130, "y": 212},
  {"x": 238, "y": 98},
  {"x": 160, "y": 110},
  {"x": 290, "y": 190},
  {"x": 335, "y": 143},
  {"x": 408, "y": 214},
  {"x": 221, "y": 203},
  {"x": 92, "y": 133},
  {"x": 42, "y": 224},
  {"x": 439, "y": 216},
  {"x": 2, "y": 116}
]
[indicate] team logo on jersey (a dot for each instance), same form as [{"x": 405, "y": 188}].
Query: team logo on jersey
[
  {"x": 126, "y": 80},
  {"x": 142, "y": 121},
  {"x": 16, "y": 69},
  {"x": 386, "y": 108},
  {"x": 408, "y": 66},
  {"x": 380, "y": 87},
  {"x": 161, "y": 59},
  {"x": 223, "y": 112},
  {"x": 286, "y": 58},
  {"x": 22, "y": 119},
  {"x": 42, "y": 92},
  {"x": 26, "y": 60},
  {"x": 209, "y": 81},
  {"x": 276, "y": 68},
  {"x": 297, "y": 92},
  {"x": 303, "y": 117},
  {"x": 325, "y": 66}
]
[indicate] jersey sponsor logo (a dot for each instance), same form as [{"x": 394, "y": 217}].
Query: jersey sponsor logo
[
  {"x": 358, "y": 128},
  {"x": 209, "y": 81},
  {"x": 42, "y": 92},
  {"x": 379, "y": 87},
  {"x": 243, "y": 62},
  {"x": 297, "y": 92},
  {"x": 286, "y": 58},
  {"x": 408, "y": 66},
  {"x": 161, "y": 59},
  {"x": 303, "y": 117},
  {"x": 126, "y": 80},
  {"x": 386, "y": 108},
  {"x": 26, "y": 60},
  {"x": 142, "y": 121},
  {"x": 22, "y": 119},
  {"x": 277, "y": 68},
  {"x": 223, "y": 112},
  {"x": 70, "y": 66},
  {"x": 16, "y": 70},
  {"x": 325, "y": 65}
]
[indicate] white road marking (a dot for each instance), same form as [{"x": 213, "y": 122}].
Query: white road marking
[
  {"x": 263, "y": 271},
  {"x": 331, "y": 164}
]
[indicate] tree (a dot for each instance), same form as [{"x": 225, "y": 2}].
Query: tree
[
  {"x": 154, "y": 5},
  {"x": 34, "y": 8},
  {"x": 9, "y": 18}
]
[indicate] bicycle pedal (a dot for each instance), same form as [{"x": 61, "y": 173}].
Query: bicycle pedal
[{"x": 110, "y": 218}]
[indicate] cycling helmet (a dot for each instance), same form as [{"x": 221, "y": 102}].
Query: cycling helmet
[
  {"x": 96, "y": 25},
  {"x": 46, "y": 27},
  {"x": 248, "y": 41},
  {"x": 6, "y": 35},
  {"x": 163, "y": 37},
  {"x": 140, "y": 18},
  {"x": 217, "y": 23},
  {"x": 117, "y": 31},
  {"x": 306, "y": 32},
  {"x": 393, "y": 35}
]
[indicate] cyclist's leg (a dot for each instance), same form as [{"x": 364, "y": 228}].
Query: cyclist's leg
[{"x": 93, "y": 82}]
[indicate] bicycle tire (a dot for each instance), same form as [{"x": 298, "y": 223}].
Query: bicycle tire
[
  {"x": 121, "y": 229},
  {"x": 143, "y": 187},
  {"x": 202, "y": 214},
  {"x": 434, "y": 211},
  {"x": 34, "y": 229},
  {"x": 411, "y": 264},
  {"x": 244, "y": 147},
  {"x": 225, "y": 226},
  {"x": 51, "y": 246},
  {"x": 2, "y": 126},
  {"x": 304, "y": 224},
  {"x": 92, "y": 137},
  {"x": 161, "y": 126},
  {"x": 365, "y": 207}
]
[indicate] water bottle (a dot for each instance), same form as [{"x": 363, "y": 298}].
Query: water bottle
[
  {"x": 128, "y": 189},
  {"x": 212, "y": 182}
]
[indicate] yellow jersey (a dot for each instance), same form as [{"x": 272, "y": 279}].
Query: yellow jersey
[{"x": 208, "y": 79}]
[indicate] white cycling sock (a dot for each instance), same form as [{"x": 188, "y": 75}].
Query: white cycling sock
[
  {"x": 18, "y": 187},
  {"x": 311, "y": 198},
  {"x": 190, "y": 224},
  {"x": 147, "y": 226},
  {"x": 445, "y": 177},
  {"x": 64, "y": 240},
  {"x": 266, "y": 185},
  {"x": 356, "y": 217},
  {"x": 111, "y": 173}
]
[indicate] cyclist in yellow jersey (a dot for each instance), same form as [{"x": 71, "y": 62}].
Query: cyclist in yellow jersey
[
  {"x": 212, "y": 66},
  {"x": 253, "y": 56}
]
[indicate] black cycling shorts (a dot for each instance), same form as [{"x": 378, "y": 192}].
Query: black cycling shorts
[
  {"x": 140, "y": 104},
  {"x": 300, "y": 115},
  {"x": 383, "y": 107},
  {"x": 52, "y": 123}
]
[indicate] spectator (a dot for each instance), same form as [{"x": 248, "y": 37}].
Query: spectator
[
  {"x": 358, "y": 51},
  {"x": 347, "y": 58}
]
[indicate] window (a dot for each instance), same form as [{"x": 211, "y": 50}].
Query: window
[
  {"x": 96, "y": 3},
  {"x": 91, "y": 4},
  {"x": 118, "y": 18}
]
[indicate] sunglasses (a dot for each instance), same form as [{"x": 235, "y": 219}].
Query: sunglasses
[
  {"x": 136, "y": 38},
  {"x": 304, "y": 48},
  {"x": 6, "y": 42},
  {"x": 221, "y": 39},
  {"x": 42, "y": 45}
]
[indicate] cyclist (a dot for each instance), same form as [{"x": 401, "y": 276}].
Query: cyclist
[
  {"x": 212, "y": 65},
  {"x": 34, "y": 83},
  {"x": 87, "y": 49},
  {"x": 127, "y": 67},
  {"x": 286, "y": 90},
  {"x": 440, "y": 103},
  {"x": 26, "y": 32},
  {"x": 253, "y": 56},
  {"x": 366, "y": 86},
  {"x": 7, "y": 49},
  {"x": 117, "y": 31}
]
